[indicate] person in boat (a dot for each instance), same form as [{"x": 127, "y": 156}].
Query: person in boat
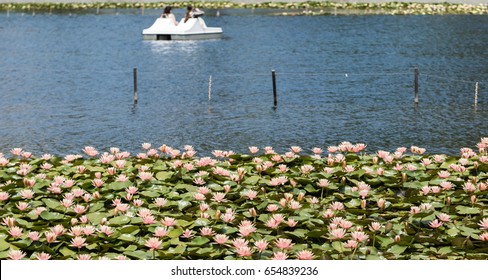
[
  {"x": 168, "y": 14},
  {"x": 189, "y": 13},
  {"x": 192, "y": 13}
]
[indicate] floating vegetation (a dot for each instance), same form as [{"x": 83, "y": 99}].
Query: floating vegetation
[
  {"x": 164, "y": 203},
  {"x": 309, "y": 8}
]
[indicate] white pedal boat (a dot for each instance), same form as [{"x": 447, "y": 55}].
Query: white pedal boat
[{"x": 193, "y": 29}]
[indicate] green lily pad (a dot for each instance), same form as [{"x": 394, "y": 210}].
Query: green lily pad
[
  {"x": 164, "y": 175},
  {"x": 150, "y": 194},
  {"x": 397, "y": 249},
  {"x": 130, "y": 229},
  {"x": 117, "y": 186},
  {"x": 51, "y": 216},
  {"x": 175, "y": 232},
  {"x": 120, "y": 220},
  {"x": 96, "y": 218},
  {"x": 464, "y": 210},
  {"x": 252, "y": 180},
  {"x": 51, "y": 203},
  {"x": 4, "y": 245},
  {"x": 199, "y": 241},
  {"x": 65, "y": 251},
  {"x": 140, "y": 255},
  {"x": 178, "y": 250},
  {"x": 127, "y": 237}
]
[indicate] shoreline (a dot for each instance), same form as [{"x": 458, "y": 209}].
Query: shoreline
[
  {"x": 427, "y": 7},
  {"x": 469, "y": 2}
]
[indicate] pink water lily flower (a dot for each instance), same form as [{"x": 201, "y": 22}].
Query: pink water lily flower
[
  {"x": 239, "y": 242},
  {"x": 15, "y": 232},
  {"x": 34, "y": 235},
  {"x": 279, "y": 256},
  {"x": 483, "y": 223},
  {"x": 305, "y": 255},
  {"x": 84, "y": 257},
  {"x": 359, "y": 236},
  {"x": 244, "y": 251},
  {"x": 90, "y": 151},
  {"x": 168, "y": 221},
  {"x": 435, "y": 224},
  {"x": 16, "y": 254},
  {"x": 253, "y": 149},
  {"x": 261, "y": 245},
  {"x": 337, "y": 233},
  {"x": 43, "y": 256},
  {"x": 284, "y": 243},
  {"x": 484, "y": 236},
  {"x": 351, "y": 244},
  {"x": 221, "y": 238},
  {"x": 4, "y": 196},
  {"x": 78, "y": 242},
  {"x": 206, "y": 231},
  {"x": 153, "y": 243}
]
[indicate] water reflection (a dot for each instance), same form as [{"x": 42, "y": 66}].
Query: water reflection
[{"x": 171, "y": 46}]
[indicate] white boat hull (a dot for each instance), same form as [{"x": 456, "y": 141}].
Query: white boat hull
[{"x": 193, "y": 29}]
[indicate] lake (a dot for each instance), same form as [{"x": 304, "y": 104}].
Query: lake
[{"x": 66, "y": 81}]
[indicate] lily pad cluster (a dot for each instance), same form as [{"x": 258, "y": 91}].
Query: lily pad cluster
[
  {"x": 165, "y": 203},
  {"x": 309, "y": 8}
]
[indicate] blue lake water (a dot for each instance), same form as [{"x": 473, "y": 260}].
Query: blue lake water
[{"x": 66, "y": 81}]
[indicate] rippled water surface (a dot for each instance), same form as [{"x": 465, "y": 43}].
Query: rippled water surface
[{"x": 66, "y": 81}]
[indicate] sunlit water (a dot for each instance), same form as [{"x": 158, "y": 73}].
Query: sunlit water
[{"x": 66, "y": 81}]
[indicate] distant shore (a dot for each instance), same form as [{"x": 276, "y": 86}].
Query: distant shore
[
  {"x": 471, "y": 2},
  {"x": 295, "y": 7}
]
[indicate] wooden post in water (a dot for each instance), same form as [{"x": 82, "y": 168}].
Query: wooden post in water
[
  {"x": 135, "y": 85},
  {"x": 210, "y": 87},
  {"x": 275, "y": 99},
  {"x": 416, "y": 85},
  {"x": 476, "y": 94}
]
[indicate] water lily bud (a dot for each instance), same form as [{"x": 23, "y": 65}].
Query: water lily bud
[
  {"x": 226, "y": 188},
  {"x": 96, "y": 195},
  {"x": 398, "y": 238},
  {"x": 473, "y": 199},
  {"x": 404, "y": 177},
  {"x": 475, "y": 164},
  {"x": 111, "y": 170},
  {"x": 84, "y": 219},
  {"x": 283, "y": 202},
  {"x": 381, "y": 203},
  {"x": 253, "y": 212},
  {"x": 300, "y": 196},
  {"x": 344, "y": 163},
  {"x": 98, "y": 175},
  {"x": 74, "y": 221},
  {"x": 448, "y": 201},
  {"x": 288, "y": 196},
  {"x": 217, "y": 214},
  {"x": 375, "y": 160},
  {"x": 103, "y": 221},
  {"x": 363, "y": 203},
  {"x": 263, "y": 190},
  {"x": 204, "y": 215},
  {"x": 343, "y": 180},
  {"x": 482, "y": 186}
]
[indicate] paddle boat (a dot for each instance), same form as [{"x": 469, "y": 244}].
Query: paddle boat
[{"x": 193, "y": 29}]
